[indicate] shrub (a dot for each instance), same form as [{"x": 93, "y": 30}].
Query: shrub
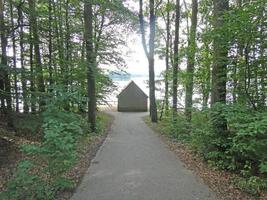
[
  {"x": 44, "y": 174},
  {"x": 243, "y": 148},
  {"x": 27, "y": 185},
  {"x": 177, "y": 130},
  {"x": 252, "y": 185}
]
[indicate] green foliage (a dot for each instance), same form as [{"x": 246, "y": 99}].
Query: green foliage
[
  {"x": 245, "y": 143},
  {"x": 45, "y": 173},
  {"x": 242, "y": 149},
  {"x": 27, "y": 185},
  {"x": 27, "y": 123},
  {"x": 177, "y": 130},
  {"x": 102, "y": 122},
  {"x": 253, "y": 185}
]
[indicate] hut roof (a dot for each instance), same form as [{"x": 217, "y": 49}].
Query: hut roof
[{"x": 132, "y": 83}]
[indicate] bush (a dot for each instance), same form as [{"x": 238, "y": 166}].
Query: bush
[
  {"x": 177, "y": 130},
  {"x": 243, "y": 148},
  {"x": 252, "y": 185},
  {"x": 27, "y": 185},
  {"x": 43, "y": 174}
]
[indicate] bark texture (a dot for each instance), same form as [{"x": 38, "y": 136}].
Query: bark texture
[
  {"x": 191, "y": 61},
  {"x": 176, "y": 59},
  {"x": 91, "y": 90}
]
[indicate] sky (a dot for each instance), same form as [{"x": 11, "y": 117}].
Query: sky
[{"x": 136, "y": 61}]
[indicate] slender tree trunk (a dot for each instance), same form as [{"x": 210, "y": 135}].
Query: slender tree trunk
[
  {"x": 191, "y": 62},
  {"x": 235, "y": 81},
  {"x": 167, "y": 59},
  {"x": 5, "y": 77},
  {"x": 14, "y": 58},
  {"x": 50, "y": 45},
  {"x": 263, "y": 74},
  {"x": 3, "y": 59},
  {"x": 37, "y": 54},
  {"x": 206, "y": 84},
  {"x": 150, "y": 54},
  {"x": 60, "y": 42},
  {"x": 32, "y": 80},
  {"x": 88, "y": 36},
  {"x": 68, "y": 51},
  {"x": 22, "y": 59},
  {"x": 219, "y": 72},
  {"x": 176, "y": 59},
  {"x": 152, "y": 25}
]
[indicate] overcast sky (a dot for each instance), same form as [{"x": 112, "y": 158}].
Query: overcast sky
[{"x": 136, "y": 61}]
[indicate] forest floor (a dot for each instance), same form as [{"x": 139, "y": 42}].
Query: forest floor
[
  {"x": 27, "y": 131},
  {"x": 221, "y": 182}
]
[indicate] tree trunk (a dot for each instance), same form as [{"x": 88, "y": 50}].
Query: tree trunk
[
  {"x": 191, "y": 61},
  {"x": 151, "y": 61},
  {"x": 68, "y": 52},
  {"x": 37, "y": 54},
  {"x": 50, "y": 45},
  {"x": 60, "y": 41},
  {"x": 14, "y": 58},
  {"x": 219, "y": 72},
  {"x": 23, "y": 70},
  {"x": 150, "y": 54},
  {"x": 88, "y": 36},
  {"x": 176, "y": 59},
  {"x": 3, "y": 59},
  {"x": 32, "y": 80},
  {"x": 5, "y": 82},
  {"x": 167, "y": 59}
]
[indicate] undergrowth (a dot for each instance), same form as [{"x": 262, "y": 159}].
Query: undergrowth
[
  {"x": 243, "y": 150},
  {"x": 43, "y": 173}
]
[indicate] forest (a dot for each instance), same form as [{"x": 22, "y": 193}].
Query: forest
[{"x": 52, "y": 82}]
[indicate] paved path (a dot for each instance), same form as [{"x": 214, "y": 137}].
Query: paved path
[{"x": 134, "y": 164}]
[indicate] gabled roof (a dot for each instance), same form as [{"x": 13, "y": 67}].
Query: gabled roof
[{"x": 132, "y": 83}]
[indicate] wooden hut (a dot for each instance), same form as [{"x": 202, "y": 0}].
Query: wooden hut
[{"x": 132, "y": 99}]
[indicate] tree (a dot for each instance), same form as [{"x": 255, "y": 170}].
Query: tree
[
  {"x": 3, "y": 56},
  {"x": 219, "y": 71},
  {"x": 176, "y": 59},
  {"x": 88, "y": 37},
  {"x": 22, "y": 61},
  {"x": 150, "y": 53},
  {"x": 167, "y": 20},
  {"x": 37, "y": 53},
  {"x": 14, "y": 47},
  {"x": 191, "y": 61},
  {"x": 5, "y": 87}
]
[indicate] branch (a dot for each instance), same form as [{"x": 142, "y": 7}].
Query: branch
[
  {"x": 99, "y": 31},
  {"x": 19, "y": 6},
  {"x": 158, "y": 4}
]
